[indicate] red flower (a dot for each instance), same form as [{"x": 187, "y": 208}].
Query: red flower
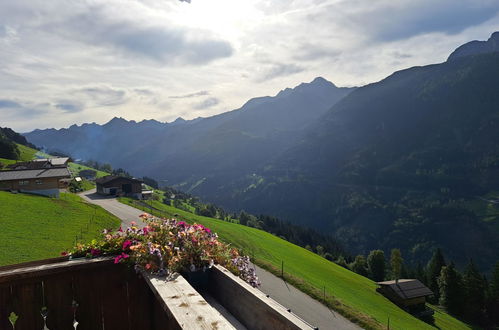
[
  {"x": 94, "y": 252},
  {"x": 64, "y": 253}
]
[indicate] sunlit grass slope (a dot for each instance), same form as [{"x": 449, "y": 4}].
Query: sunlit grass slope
[
  {"x": 76, "y": 168},
  {"x": 354, "y": 296},
  {"x": 35, "y": 227}
]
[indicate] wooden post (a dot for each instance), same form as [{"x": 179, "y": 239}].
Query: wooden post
[{"x": 388, "y": 322}]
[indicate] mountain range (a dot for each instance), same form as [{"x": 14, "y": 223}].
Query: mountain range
[{"x": 411, "y": 161}]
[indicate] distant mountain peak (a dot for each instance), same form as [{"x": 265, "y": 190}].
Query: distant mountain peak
[
  {"x": 476, "y": 47},
  {"x": 116, "y": 121},
  {"x": 322, "y": 81}
]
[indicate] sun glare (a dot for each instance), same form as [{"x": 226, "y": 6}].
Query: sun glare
[{"x": 227, "y": 18}]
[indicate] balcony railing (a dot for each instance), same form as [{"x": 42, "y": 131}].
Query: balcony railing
[{"x": 97, "y": 294}]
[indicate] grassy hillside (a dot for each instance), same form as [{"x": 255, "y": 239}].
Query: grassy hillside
[
  {"x": 354, "y": 295},
  {"x": 36, "y": 227},
  {"x": 76, "y": 168},
  {"x": 26, "y": 153}
]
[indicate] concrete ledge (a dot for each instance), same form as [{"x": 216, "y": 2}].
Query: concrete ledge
[{"x": 249, "y": 305}]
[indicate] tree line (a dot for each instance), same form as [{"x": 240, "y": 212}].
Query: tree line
[{"x": 468, "y": 295}]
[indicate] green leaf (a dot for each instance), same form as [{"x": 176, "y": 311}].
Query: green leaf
[{"x": 13, "y": 318}]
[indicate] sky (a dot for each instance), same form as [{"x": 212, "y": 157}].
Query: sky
[{"x": 74, "y": 61}]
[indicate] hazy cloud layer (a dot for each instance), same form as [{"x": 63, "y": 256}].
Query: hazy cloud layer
[
  {"x": 191, "y": 95},
  {"x": 65, "y": 62},
  {"x": 208, "y": 103}
]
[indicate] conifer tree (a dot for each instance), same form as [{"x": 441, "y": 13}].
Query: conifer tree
[
  {"x": 376, "y": 265},
  {"x": 433, "y": 270},
  {"x": 450, "y": 285},
  {"x": 473, "y": 294},
  {"x": 493, "y": 297}
]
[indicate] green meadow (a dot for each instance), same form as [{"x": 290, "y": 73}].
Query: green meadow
[
  {"x": 36, "y": 227},
  {"x": 352, "y": 295}
]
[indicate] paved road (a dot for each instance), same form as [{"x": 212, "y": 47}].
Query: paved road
[
  {"x": 302, "y": 305},
  {"x": 308, "y": 309},
  {"x": 126, "y": 213}
]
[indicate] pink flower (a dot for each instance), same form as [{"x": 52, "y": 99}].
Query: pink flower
[
  {"x": 120, "y": 257},
  {"x": 95, "y": 252},
  {"x": 120, "y": 230},
  {"x": 181, "y": 223},
  {"x": 127, "y": 244},
  {"x": 133, "y": 223},
  {"x": 145, "y": 230}
]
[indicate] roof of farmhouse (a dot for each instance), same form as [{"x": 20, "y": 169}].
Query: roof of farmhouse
[{"x": 61, "y": 172}]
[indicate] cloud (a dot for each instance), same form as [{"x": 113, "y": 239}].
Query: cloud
[
  {"x": 134, "y": 38},
  {"x": 191, "y": 95},
  {"x": 310, "y": 52},
  {"x": 68, "y": 106},
  {"x": 62, "y": 62},
  {"x": 388, "y": 20},
  {"x": 279, "y": 70},
  {"x": 101, "y": 95},
  {"x": 208, "y": 103},
  {"x": 9, "y": 104},
  {"x": 12, "y": 110}
]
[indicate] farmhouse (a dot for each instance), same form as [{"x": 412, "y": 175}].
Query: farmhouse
[
  {"x": 44, "y": 181},
  {"x": 405, "y": 292},
  {"x": 41, "y": 163},
  {"x": 118, "y": 185}
]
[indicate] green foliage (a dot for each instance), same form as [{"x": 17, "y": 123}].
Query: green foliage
[
  {"x": 493, "y": 296},
  {"x": 433, "y": 270},
  {"x": 450, "y": 289},
  {"x": 474, "y": 294},
  {"x": 376, "y": 265},
  {"x": 36, "y": 227},
  {"x": 396, "y": 263},
  {"x": 359, "y": 266},
  {"x": 8, "y": 149}
]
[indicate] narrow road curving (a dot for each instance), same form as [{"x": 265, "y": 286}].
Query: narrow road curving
[{"x": 126, "y": 213}]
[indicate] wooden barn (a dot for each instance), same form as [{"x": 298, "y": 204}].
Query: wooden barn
[
  {"x": 119, "y": 186},
  {"x": 405, "y": 292}
]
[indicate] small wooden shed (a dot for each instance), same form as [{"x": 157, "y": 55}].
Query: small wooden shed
[{"x": 405, "y": 292}]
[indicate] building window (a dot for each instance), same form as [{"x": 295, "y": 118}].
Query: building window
[
  {"x": 39, "y": 182},
  {"x": 23, "y": 182}
]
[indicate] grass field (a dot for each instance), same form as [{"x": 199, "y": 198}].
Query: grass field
[
  {"x": 349, "y": 293},
  {"x": 27, "y": 153},
  {"x": 36, "y": 227},
  {"x": 76, "y": 168}
]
